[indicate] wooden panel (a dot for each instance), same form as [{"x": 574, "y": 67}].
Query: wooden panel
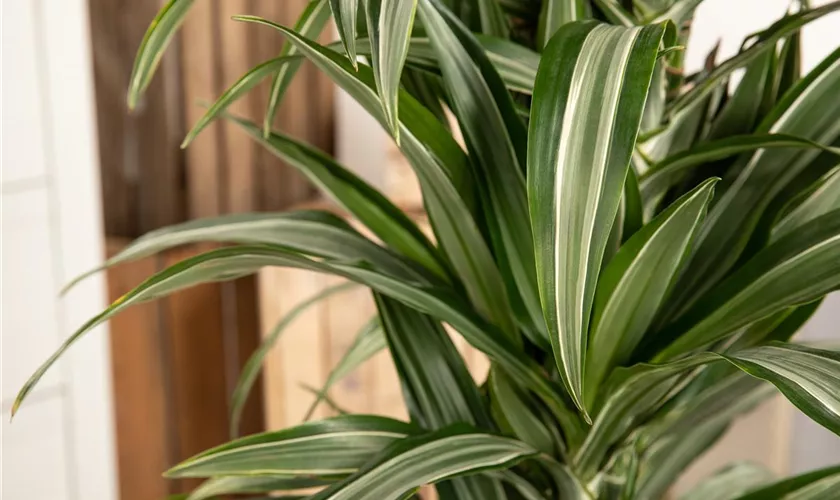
[{"x": 143, "y": 450}]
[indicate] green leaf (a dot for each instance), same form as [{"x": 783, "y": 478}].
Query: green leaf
[
  {"x": 389, "y": 25},
  {"x": 514, "y": 409},
  {"x": 730, "y": 482},
  {"x": 252, "y": 367},
  {"x": 345, "y": 12},
  {"x": 616, "y": 13},
  {"x": 678, "y": 12},
  {"x": 154, "y": 43},
  {"x": 369, "y": 341},
  {"x": 493, "y": 20},
  {"x": 821, "y": 199},
  {"x": 667, "y": 173},
  {"x": 587, "y": 106},
  {"x": 766, "y": 40},
  {"x": 367, "y": 204},
  {"x": 429, "y": 148},
  {"x": 226, "y": 485},
  {"x": 789, "y": 70},
  {"x": 807, "y": 111},
  {"x": 809, "y": 378},
  {"x": 635, "y": 284},
  {"x": 248, "y": 81},
  {"x": 556, "y": 13},
  {"x": 497, "y": 140},
  {"x": 740, "y": 114},
  {"x": 310, "y": 24},
  {"x": 436, "y": 383},
  {"x": 330, "y": 447},
  {"x": 796, "y": 269},
  {"x": 411, "y": 463},
  {"x": 797, "y": 487}
]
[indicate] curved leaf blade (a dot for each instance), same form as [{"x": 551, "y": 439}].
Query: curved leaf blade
[
  {"x": 345, "y": 12},
  {"x": 556, "y": 13},
  {"x": 822, "y": 198},
  {"x": 584, "y": 120},
  {"x": 792, "y": 488},
  {"x": 154, "y": 43},
  {"x": 634, "y": 285},
  {"x": 227, "y": 485}
]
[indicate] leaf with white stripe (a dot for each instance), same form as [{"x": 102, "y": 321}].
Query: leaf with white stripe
[
  {"x": 556, "y": 13},
  {"x": 813, "y": 485},
  {"x": 227, "y": 485},
  {"x": 821, "y": 198},
  {"x": 632, "y": 288},
  {"x": 310, "y": 24},
  {"x": 345, "y": 13},
  {"x": 588, "y": 101},
  {"x": 796, "y": 269},
  {"x": 730, "y": 482},
  {"x": 808, "y": 111},
  {"x": 389, "y": 26},
  {"x": 497, "y": 139},
  {"x": 334, "y": 446},
  {"x": 428, "y": 459},
  {"x": 154, "y": 43}
]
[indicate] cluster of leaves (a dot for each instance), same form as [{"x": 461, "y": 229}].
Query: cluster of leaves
[{"x": 632, "y": 247}]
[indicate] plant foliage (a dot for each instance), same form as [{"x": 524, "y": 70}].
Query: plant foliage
[{"x": 632, "y": 247}]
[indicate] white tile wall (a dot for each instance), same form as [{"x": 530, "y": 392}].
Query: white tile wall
[{"x": 60, "y": 445}]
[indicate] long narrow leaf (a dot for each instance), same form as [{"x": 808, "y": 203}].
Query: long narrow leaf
[
  {"x": 822, "y": 198},
  {"x": 792, "y": 488},
  {"x": 310, "y": 24},
  {"x": 389, "y": 26},
  {"x": 154, "y": 43},
  {"x": 227, "y": 485},
  {"x": 634, "y": 285},
  {"x": 556, "y": 13},
  {"x": 588, "y": 102},
  {"x": 345, "y": 12}
]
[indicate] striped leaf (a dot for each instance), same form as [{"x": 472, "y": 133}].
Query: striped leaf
[
  {"x": 369, "y": 341},
  {"x": 512, "y": 407},
  {"x": 730, "y": 482},
  {"x": 678, "y": 12},
  {"x": 556, "y": 13},
  {"x": 343, "y": 445},
  {"x": 634, "y": 285},
  {"x": 807, "y": 486},
  {"x": 820, "y": 199},
  {"x": 765, "y": 41},
  {"x": 430, "y": 150},
  {"x": 588, "y": 101},
  {"x": 428, "y": 459},
  {"x": 615, "y": 12},
  {"x": 741, "y": 112},
  {"x": 253, "y": 366},
  {"x": 807, "y": 111},
  {"x": 389, "y": 26},
  {"x": 227, "y": 485},
  {"x": 310, "y": 24},
  {"x": 493, "y": 19},
  {"x": 345, "y": 13},
  {"x": 497, "y": 140},
  {"x": 797, "y": 269},
  {"x": 369, "y": 206},
  {"x": 154, "y": 43}
]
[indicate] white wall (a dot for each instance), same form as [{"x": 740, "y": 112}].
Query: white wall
[{"x": 60, "y": 445}]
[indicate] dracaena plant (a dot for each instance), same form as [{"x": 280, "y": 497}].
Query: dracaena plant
[{"x": 631, "y": 246}]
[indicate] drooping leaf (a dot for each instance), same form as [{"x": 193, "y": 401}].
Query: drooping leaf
[
  {"x": 343, "y": 445},
  {"x": 766, "y": 40},
  {"x": 428, "y": 459},
  {"x": 368, "y": 205},
  {"x": 430, "y": 150},
  {"x": 497, "y": 139},
  {"x": 369, "y": 341},
  {"x": 345, "y": 12},
  {"x": 634, "y": 285},
  {"x": 588, "y": 102},
  {"x": 310, "y": 24},
  {"x": 252, "y": 367},
  {"x": 154, "y": 43},
  {"x": 821, "y": 198},
  {"x": 796, "y": 269},
  {"x": 227, "y": 485},
  {"x": 389, "y": 26},
  {"x": 807, "y": 111},
  {"x": 556, "y": 13},
  {"x": 672, "y": 169},
  {"x": 730, "y": 482},
  {"x": 798, "y": 487},
  {"x": 678, "y": 12}
]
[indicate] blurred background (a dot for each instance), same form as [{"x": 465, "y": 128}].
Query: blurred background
[{"x": 81, "y": 177}]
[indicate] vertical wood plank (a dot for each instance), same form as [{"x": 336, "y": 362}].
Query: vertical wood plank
[
  {"x": 199, "y": 80},
  {"x": 143, "y": 450},
  {"x": 198, "y": 378},
  {"x": 248, "y": 337},
  {"x": 271, "y": 290}
]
